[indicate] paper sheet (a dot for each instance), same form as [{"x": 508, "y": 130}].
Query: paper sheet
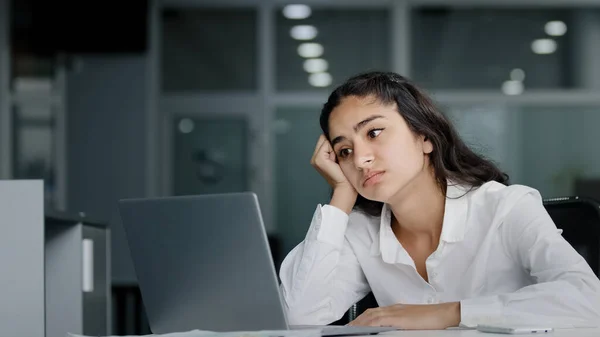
[{"x": 202, "y": 333}]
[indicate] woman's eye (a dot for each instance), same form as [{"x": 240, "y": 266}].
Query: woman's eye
[
  {"x": 345, "y": 153},
  {"x": 374, "y": 133}
]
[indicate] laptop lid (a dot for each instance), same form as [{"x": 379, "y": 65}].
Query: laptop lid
[{"x": 203, "y": 262}]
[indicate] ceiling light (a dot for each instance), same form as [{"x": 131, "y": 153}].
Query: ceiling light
[
  {"x": 555, "y": 28},
  {"x": 543, "y": 46},
  {"x": 517, "y": 75},
  {"x": 315, "y": 65},
  {"x": 296, "y": 12},
  {"x": 303, "y": 32},
  {"x": 310, "y": 50},
  {"x": 320, "y": 80},
  {"x": 512, "y": 87},
  {"x": 186, "y": 125}
]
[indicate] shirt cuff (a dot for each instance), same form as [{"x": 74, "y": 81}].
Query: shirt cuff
[
  {"x": 481, "y": 310},
  {"x": 332, "y": 225}
]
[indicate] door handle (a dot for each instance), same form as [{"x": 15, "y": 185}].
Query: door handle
[{"x": 88, "y": 265}]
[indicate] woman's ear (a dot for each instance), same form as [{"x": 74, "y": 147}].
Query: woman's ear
[{"x": 427, "y": 145}]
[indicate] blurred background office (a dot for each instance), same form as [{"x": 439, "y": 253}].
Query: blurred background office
[{"x": 113, "y": 99}]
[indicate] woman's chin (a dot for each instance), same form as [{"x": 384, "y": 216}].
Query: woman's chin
[{"x": 374, "y": 196}]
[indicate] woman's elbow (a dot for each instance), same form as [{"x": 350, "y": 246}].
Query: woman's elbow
[{"x": 305, "y": 316}]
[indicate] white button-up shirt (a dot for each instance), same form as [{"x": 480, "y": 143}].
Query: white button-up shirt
[{"x": 500, "y": 254}]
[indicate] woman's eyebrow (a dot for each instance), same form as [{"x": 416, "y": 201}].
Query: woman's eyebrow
[
  {"x": 356, "y": 128},
  {"x": 366, "y": 121}
]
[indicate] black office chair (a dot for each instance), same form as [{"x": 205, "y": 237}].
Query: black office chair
[{"x": 578, "y": 217}]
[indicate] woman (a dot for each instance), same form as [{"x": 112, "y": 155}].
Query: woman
[{"x": 427, "y": 225}]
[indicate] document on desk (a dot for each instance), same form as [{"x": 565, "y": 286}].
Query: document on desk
[{"x": 202, "y": 333}]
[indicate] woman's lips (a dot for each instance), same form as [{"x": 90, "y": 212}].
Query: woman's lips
[{"x": 373, "y": 178}]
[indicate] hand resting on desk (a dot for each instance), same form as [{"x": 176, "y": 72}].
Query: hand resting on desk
[{"x": 406, "y": 316}]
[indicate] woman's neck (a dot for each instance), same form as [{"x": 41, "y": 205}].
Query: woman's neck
[{"x": 419, "y": 210}]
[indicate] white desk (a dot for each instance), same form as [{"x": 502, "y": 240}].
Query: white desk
[{"x": 474, "y": 333}]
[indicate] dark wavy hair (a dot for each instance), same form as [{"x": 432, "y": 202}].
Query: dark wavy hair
[{"x": 451, "y": 158}]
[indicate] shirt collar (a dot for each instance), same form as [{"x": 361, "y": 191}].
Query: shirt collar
[
  {"x": 385, "y": 243},
  {"x": 455, "y": 213},
  {"x": 453, "y": 226}
]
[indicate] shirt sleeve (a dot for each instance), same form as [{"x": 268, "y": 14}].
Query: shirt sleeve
[
  {"x": 565, "y": 293},
  {"x": 321, "y": 277}
]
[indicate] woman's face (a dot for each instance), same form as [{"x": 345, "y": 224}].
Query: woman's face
[{"x": 375, "y": 149}]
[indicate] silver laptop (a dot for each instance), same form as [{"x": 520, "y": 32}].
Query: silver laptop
[{"x": 203, "y": 262}]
